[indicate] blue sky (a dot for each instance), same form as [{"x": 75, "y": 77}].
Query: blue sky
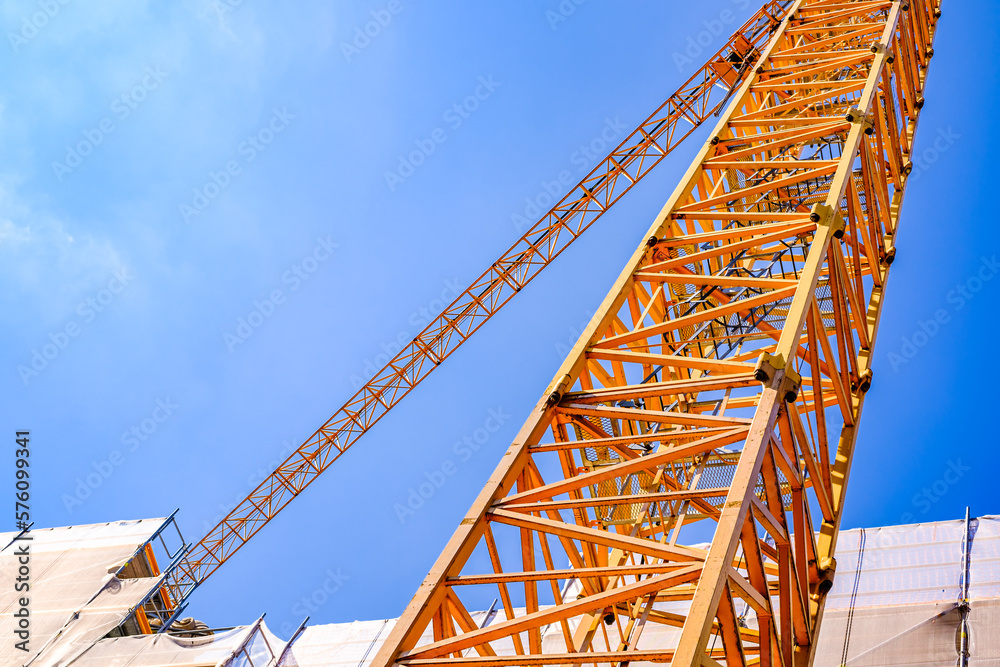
[{"x": 167, "y": 169}]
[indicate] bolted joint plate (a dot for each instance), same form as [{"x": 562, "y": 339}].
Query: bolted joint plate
[
  {"x": 556, "y": 391},
  {"x": 859, "y": 117},
  {"x": 826, "y": 216},
  {"x": 769, "y": 366},
  {"x": 864, "y": 383},
  {"x": 827, "y": 571}
]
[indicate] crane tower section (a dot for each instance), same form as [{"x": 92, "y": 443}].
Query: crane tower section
[
  {"x": 688, "y": 465},
  {"x": 694, "y": 103}
]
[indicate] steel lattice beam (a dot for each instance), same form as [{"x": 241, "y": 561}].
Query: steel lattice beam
[
  {"x": 686, "y": 110},
  {"x": 703, "y": 402}
]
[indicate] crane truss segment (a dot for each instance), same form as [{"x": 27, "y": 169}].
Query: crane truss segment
[
  {"x": 626, "y": 165},
  {"x": 715, "y": 395}
]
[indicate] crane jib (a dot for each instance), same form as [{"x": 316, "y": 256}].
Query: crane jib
[{"x": 679, "y": 116}]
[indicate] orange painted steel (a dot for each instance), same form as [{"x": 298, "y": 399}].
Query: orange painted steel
[
  {"x": 686, "y": 470},
  {"x": 686, "y": 110}
]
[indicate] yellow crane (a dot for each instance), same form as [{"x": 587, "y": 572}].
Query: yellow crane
[
  {"x": 697, "y": 100},
  {"x": 703, "y": 426}
]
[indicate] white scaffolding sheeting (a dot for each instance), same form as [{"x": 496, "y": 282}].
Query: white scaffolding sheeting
[
  {"x": 896, "y": 599},
  {"x": 74, "y": 597},
  {"x": 157, "y": 650},
  {"x": 902, "y": 609},
  {"x": 338, "y": 644},
  {"x": 221, "y": 648},
  {"x": 356, "y": 644},
  {"x": 94, "y": 620}
]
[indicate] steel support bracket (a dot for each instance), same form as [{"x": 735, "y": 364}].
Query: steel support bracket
[
  {"x": 864, "y": 383},
  {"x": 826, "y": 216},
  {"x": 790, "y": 385},
  {"x": 768, "y": 366},
  {"x": 557, "y": 391},
  {"x": 827, "y": 570},
  {"x": 859, "y": 117}
]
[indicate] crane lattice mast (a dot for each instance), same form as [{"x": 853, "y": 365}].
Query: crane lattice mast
[
  {"x": 701, "y": 97},
  {"x": 715, "y": 396}
]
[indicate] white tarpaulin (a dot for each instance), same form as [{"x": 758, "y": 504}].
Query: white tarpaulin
[
  {"x": 894, "y": 602},
  {"x": 74, "y": 596},
  {"x": 896, "y": 596},
  {"x": 170, "y": 651}
]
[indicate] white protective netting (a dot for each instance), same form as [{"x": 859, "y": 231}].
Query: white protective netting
[
  {"x": 74, "y": 597},
  {"x": 898, "y": 565},
  {"x": 900, "y": 607},
  {"x": 895, "y": 601},
  {"x": 896, "y": 596},
  {"x": 167, "y": 650},
  {"x": 156, "y": 650},
  {"x": 352, "y": 644}
]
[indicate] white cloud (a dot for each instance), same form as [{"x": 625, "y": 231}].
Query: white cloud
[{"x": 47, "y": 264}]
